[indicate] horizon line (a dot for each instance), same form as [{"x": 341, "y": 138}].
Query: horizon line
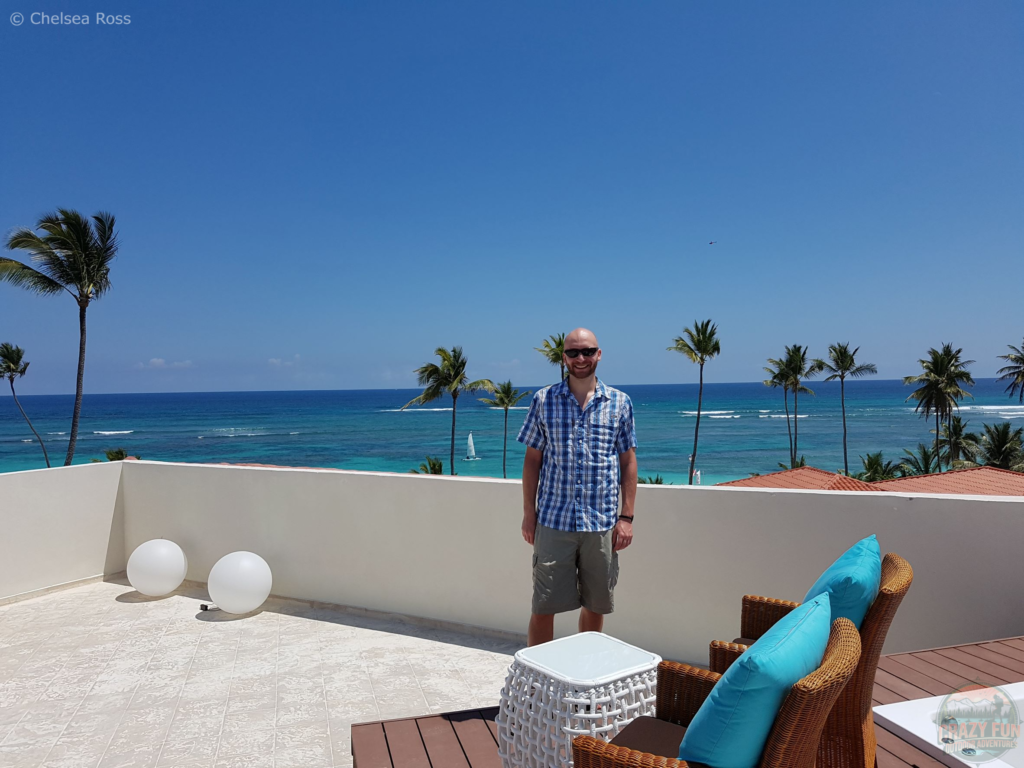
[{"x": 412, "y": 389}]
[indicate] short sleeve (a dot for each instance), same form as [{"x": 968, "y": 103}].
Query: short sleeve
[
  {"x": 533, "y": 433},
  {"x": 625, "y": 436}
]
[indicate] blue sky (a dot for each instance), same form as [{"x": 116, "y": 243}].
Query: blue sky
[{"x": 316, "y": 195}]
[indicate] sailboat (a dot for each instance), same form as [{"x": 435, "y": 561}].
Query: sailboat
[{"x": 470, "y": 450}]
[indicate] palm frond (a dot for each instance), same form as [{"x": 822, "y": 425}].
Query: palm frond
[
  {"x": 11, "y": 361},
  {"x": 1014, "y": 372},
  {"x": 699, "y": 343},
  {"x": 505, "y": 396},
  {"x": 480, "y": 384},
  {"x": 24, "y": 276}
]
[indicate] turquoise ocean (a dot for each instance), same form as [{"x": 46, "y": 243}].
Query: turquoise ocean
[{"x": 743, "y": 429}]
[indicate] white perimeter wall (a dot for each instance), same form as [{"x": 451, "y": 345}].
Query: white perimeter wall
[
  {"x": 450, "y": 548},
  {"x": 59, "y": 525}
]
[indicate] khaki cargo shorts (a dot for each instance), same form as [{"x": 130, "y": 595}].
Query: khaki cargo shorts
[{"x": 573, "y": 568}]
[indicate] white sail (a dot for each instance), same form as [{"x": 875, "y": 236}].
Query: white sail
[{"x": 470, "y": 450}]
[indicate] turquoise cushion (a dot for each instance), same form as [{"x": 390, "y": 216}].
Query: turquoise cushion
[
  {"x": 851, "y": 582},
  {"x": 732, "y": 725}
]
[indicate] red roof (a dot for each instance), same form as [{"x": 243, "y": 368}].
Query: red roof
[
  {"x": 977, "y": 481},
  {"x": 808, "y": 478}
]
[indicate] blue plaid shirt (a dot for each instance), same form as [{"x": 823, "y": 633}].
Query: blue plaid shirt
[{"x": 579, "y": 477}]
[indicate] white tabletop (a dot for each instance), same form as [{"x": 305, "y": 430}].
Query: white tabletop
[{"x": 588, "y": 659}]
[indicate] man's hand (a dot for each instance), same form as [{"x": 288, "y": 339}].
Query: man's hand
[
  {"x": 529, "y": 527},
  {"x": 622, "y": 536}
]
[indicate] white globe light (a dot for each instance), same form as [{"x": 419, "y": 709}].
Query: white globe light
[
  {"x": 240, "y": 582},
  {"x": 157, "y": 567}
]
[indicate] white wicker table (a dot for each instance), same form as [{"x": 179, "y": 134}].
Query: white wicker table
[{"x": 588, "y": 683}]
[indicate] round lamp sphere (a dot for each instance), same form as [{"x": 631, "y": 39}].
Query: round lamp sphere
[
  {"x": 240, "y": 582},
  {"x": 157, "y": 567}
]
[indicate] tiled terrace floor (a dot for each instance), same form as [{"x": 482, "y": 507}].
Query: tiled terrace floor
[{"x": 100, "y": 677}]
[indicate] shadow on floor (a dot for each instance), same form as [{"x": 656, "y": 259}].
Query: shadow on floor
[{"x": 356, "y": 618}]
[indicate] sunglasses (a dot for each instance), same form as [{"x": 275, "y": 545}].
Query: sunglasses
[{"x": 572, "y": 354}]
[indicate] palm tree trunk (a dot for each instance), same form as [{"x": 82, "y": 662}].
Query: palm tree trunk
[
  {"x": 451, "y": 467},
  {"x": 561, "y": 368},
  {"x": 79, "y": 385},
  {"x": 15, "y": 396},
  {"x": 938, "y": 461},
  {"x": 796, "y": 426},
  {"x": 789, "y": 427},
  {"x": 696, "y": 430},
  {"x": 504, "y": 446},
  {"x": 842, "y": 399}
]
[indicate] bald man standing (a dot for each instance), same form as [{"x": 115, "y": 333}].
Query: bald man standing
[{"x": 580, "y": 450}]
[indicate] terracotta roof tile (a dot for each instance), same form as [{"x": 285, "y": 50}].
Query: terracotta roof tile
[
  {"x": 807, "y": 478},
  {"x": 976, "y": 481}
]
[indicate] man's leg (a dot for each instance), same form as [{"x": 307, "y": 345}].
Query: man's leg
[
  {"x": 554, "y": 581},
  {"x": 542, "y": 628},
  {"x": 590, "y": 621},
  {"x": 598, "y": 574}
]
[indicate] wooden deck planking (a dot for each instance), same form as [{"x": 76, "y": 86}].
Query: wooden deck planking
[
  {"x": 469, "y": 739},
  {"x": 478, "y": 743},
  {"x": 934, "y": 673},
  {"x": 369, "y": 742},
  {"x": 405, "y": 744},
  {"x": 441, "y": 742}
]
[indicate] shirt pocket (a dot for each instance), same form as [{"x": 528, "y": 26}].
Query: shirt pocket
[{"x": 602, "y": 439}]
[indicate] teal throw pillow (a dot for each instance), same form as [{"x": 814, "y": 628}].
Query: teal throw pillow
[
  {"x": 732, "y": 725},
  {"x": 851, "y": 582}
]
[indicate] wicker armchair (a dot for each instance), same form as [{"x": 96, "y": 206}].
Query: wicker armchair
[
  {"x": 848, "y": 740},
  {"x": 793, "y": 741}
]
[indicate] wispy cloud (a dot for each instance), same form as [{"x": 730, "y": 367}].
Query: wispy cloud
[
  {"x": 160, "y": 363},
  {"x": 277, "y": 362}
]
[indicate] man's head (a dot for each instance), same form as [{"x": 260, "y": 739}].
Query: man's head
[{"x": 576, "y": 361}]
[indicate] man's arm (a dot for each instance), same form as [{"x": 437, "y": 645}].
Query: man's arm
[
  {"x": 531, "y": 479},
  {"x": 623, "y": 535}
]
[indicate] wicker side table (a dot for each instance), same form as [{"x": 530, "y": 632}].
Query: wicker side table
[{"x": 588, "y": 683}]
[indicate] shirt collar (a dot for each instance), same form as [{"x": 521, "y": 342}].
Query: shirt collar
[{"x": 600, "y": 392}]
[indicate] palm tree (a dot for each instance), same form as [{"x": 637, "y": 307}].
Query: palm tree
[
  {"x": 957, "y": 376},
  {"x": 794, "y": 465},
  {"x": 1014, "y": 372},
  {"x": 924, "y": 462},
  {"x": 931, "y": 400},
  {"x": 554, "y": 350},
  {"x": 776, "y": 370},
  {"x": 1001, "y": 446},
  {"x": 73, "y": 255},
  {"x": 798, "y": 369},
  {"x": 699, "y": 344},
  {"x": 877, "y": 468},
  {"x": 656, "y": 480},
  {"x": 505, "y": 397},
  {"x": 447, "y": 378},
  {"x": 939, "y": 387},
  {"x": 115, "y": 454},
  {"x": 432, "y": 466},
  {"x": 842, "y": 364},
  {"x": 957, "y": 443},
  {"x": 11, "y": 368}
]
